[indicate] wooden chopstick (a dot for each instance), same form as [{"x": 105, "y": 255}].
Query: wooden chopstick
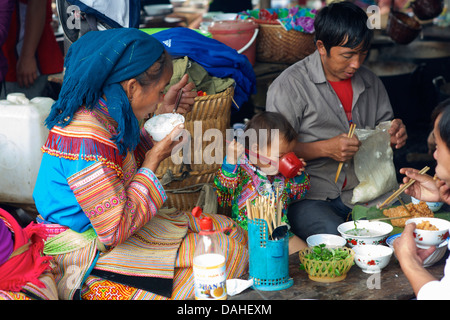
[
  {"x": 267, "y": 208},
  {"x": 393, "y": 218},
  {"x": 351, "y": 131},
  {"x": 249, "y": 209},
  {"x": 177, "y": 102},
  {"x": 403, "y": 188},
  {"x": 403, "y": 204}
]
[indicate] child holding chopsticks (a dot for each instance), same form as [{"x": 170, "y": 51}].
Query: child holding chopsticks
[{"x": 250, "y": 168}]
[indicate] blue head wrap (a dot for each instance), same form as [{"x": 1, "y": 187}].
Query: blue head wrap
[{"x": 95, "y": 65}]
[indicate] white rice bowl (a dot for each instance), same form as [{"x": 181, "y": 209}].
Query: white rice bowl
[
  {"x": 158, "y": 127},
  {"x": 432, "y": 258}
]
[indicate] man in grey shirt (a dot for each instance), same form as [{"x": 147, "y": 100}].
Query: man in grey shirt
[{"x": 321, "y": 95}]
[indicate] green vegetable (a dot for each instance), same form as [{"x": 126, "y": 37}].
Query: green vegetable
[
  {"x": 321, "y": 253},
  {"x": 329, "y": 255}
]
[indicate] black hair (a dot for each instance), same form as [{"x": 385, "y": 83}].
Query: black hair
[
  {"x": 343, "y": 24},
  {"x": 444, "y": 123},
  {"x": 155, "y": 72},
  {"x": 438, "y": 110},
  {"x": 272, "y": 120}
]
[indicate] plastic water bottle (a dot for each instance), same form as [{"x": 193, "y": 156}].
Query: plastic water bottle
[{"x": 209, "y": 265}]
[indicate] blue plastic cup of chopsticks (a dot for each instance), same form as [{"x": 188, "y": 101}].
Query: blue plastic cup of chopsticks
[{"x": 269, "y": 259}]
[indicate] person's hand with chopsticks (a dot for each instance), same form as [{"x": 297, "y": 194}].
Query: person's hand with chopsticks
[
  {"x": 342, "y": 147},
  {"x": 350, "y": 134},
  {"x": 425, "y": 188},
  {"x": 403, "y": 188},
  {"x": 187, "y": 98},
  {"x": 398, "y": 133}
]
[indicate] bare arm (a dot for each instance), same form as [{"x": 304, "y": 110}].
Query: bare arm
[{"x": 27, "y": 70}]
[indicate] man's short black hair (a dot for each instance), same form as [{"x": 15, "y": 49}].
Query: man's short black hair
[
  {"x": 444, "y": 123},
  {"x": 343, "y": 24}
]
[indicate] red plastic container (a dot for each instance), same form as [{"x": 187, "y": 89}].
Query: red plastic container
[
  {"x": 237, "y": 34},
  {"x": 289, "y": 165}
]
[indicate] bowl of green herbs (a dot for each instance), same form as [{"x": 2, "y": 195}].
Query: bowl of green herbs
[{"x": 326, "y": 264}]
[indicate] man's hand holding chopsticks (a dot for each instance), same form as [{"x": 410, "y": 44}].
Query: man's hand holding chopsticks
[
  {"x": 342, "y": 148},
  {"x": 425, "y": 188}
]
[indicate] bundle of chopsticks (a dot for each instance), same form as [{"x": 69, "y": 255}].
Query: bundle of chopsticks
[
  {"x": 351, "y": 131},
  {"x": 268, "y": 208},
  {"x": 401, "y": 189}
]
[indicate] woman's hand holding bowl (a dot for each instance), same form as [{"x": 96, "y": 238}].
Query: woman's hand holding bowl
[{"x": 164, "y": 148}]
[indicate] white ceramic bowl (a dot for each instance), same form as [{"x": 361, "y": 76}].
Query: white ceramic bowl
[
  {"x": 373, "y": 232},
  {"x": 158, "y": 127},
  {"x": 434, "y": 206},
  {"x": 432, "y": 258},
  {"x": 372, "y": 258},
  {"x": 426, "y": 238},
  {"x": 330, "y": 240}
]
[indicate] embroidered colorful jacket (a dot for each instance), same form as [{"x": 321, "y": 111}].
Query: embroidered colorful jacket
[
  {"x": 109, "y": 237},
  {"x": 237, "y": 183},
  {"x": 94, "y": 198},
  {"x": 85, "y": 183}
]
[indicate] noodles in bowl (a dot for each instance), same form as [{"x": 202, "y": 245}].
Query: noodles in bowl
[{"x": 365, "y": 232}]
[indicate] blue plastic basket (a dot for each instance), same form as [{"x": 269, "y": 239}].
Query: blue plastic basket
[{"x": 269, "y": 259}]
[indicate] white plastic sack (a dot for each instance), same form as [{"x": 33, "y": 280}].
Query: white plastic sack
[{"x": 374, "y": 164}]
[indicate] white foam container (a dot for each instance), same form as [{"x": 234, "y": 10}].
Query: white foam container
[{"x": 22, "y": 134}]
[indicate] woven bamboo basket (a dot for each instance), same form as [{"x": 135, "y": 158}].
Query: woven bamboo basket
[
  {"x": 324, "y": 271},
  {"x": 186, "y": 197},
  {"x": 208, "y": 112},
  {"x": 275, "y": 44},
  {"x": 184, "y": 194}
]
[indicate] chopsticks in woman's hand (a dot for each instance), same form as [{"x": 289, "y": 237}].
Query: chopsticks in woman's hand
[
  {"x": 178, "y": 100},
  {"x": 351, "y": 131}
]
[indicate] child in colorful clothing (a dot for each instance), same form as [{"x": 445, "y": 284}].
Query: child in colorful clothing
[{"x": 249, "y": 173}]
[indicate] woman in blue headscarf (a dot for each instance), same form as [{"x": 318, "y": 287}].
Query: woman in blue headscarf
[{"x": 96, "y": 190}]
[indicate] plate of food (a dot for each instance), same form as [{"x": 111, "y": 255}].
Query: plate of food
[
  {"x": 418, "y": 210},
  {"x": 397, "y": 212}
]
